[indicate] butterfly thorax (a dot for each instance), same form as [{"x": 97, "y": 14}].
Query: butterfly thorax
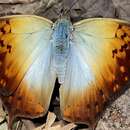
[{"x": 61, "y": 45}]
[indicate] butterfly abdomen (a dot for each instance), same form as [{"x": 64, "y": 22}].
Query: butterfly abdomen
[{"x": 61, "y": 47}]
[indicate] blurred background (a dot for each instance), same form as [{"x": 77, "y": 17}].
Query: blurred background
[{"x": 79, "y": 8}]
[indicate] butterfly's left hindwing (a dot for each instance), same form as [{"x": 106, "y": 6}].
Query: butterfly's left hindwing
[
  {"x": 26, "y": 83},
  {"x": 98, "y": 69}
]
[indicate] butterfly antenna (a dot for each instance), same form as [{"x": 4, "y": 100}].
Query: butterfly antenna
[{"x": 67, "y": 11}]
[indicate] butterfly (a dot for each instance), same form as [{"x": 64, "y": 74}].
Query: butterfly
[{"x": 90, "y": 58}]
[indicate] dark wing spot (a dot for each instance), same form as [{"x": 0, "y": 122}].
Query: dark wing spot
[
  {"x": 2, "y": 43},
  {"x": 123, "y": 47},
  {"x": 124, "y": 35},
  {"x": 101, "y": 92},
  {"x": 114, "y": 52},
  {"x": 9, "y": 48}
]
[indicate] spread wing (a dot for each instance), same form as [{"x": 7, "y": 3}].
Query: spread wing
[
  {"x": 26, "y": 82},
  {"x": 98, "y": 69}
]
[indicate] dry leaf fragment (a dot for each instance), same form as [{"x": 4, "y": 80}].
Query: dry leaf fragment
[
  {"x": 68, "y": 126},
  {"x": 58, "y": 127},
  {"x": 50, "y": 121}
]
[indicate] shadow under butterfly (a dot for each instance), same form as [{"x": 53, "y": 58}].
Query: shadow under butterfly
[{"x": 90, "y": 58}]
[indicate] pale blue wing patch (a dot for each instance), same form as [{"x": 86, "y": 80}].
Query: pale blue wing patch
[
  {"x": 41, "y": 77},
  {"x": 79, "y": 75}
]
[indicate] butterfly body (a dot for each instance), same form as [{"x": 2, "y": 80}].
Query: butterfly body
[
  {"x": 92, "y": 63},
  {"x": 61, "y": 37}
]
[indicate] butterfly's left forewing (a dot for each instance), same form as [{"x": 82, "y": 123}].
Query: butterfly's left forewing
[
  {"x": 26, "y": 82},
  {"x": 98, "y": 69}
]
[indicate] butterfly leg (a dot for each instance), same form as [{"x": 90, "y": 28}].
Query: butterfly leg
[{"x": 10, "y": 122}]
